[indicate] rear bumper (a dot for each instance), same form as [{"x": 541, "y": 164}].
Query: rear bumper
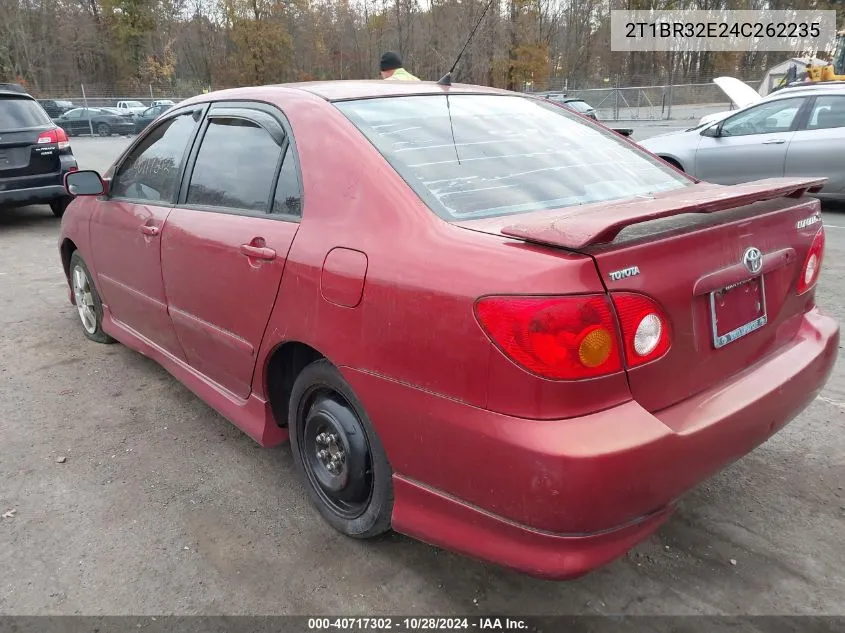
[
  {"x": 37, "y": 189},
  {"x": 34, "y": 195},
  {"x": 559, "y": 498}
]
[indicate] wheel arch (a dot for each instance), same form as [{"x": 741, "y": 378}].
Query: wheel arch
[
  {"x": 67, "y": 249},
  {"x": 284, "y": 364},
  {"x": 672, "y": 161}
]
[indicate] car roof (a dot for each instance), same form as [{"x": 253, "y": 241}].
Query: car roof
[
  {"x": 832, "y": 86},
  {"x": 347, "y": 89},
  {"x": 799, "y": 91},
  {"x": 16, "y": 93}
]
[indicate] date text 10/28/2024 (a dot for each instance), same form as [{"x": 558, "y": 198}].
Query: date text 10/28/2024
[{"x": 403, "y": 624}]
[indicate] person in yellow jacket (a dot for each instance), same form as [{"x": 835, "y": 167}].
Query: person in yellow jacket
[{"x": 391, "y": 68}]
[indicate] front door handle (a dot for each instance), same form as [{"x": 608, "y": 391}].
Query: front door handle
[
  {"x": 774, "y": 141},
  {"x": 150, "y": 230},
  {"x": 257, "y": 252}
]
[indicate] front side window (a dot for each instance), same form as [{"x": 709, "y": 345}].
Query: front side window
[
  {"x": 474, "y": 156},
  {"x": 151, "y": 171},
  {"x": 828, "y": 112},
  {"x": 767, "y": 118},
  {"x": 235, "y": 167}
]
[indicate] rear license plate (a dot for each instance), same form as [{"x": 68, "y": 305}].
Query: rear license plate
[{"x": 737, "y": 310}]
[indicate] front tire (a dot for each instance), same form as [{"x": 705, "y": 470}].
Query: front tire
[
  {"x": 88, "y": 303},
  {"x": 59, "y": 205},
  {"x": 103, "y": 129},
  {"x": 338, "y": 454}
]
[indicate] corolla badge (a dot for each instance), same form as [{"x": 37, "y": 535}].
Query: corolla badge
[
  {"x": 813, "y": 219},
  {"x": 753, "y": 259}
]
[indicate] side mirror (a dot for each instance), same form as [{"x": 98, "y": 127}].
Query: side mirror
[
  {"x": 714, "y": 131},
  {"x": 84, "y": 183}
]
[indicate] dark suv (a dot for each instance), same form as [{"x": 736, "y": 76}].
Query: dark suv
[{"x": 35, "y": 154}]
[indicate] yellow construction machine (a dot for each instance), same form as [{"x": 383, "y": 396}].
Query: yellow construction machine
[
  {"x": 834, "y": 70},
  {"x": 814, "y": 72}
]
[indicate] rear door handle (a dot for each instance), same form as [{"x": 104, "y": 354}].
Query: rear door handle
[
  {"x": 775, "y": 141},
  {"x": 150, "y": 230},
  {"x": 257, "y": 252}
]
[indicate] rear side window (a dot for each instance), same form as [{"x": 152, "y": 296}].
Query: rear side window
[
  {"x": 828, "y": 112},
  {"x": 151, "y": 172},
  {"x": 17, "y": 113},
  {"x": 471, "y": 156},
  {"x": 235, "y": 167}
]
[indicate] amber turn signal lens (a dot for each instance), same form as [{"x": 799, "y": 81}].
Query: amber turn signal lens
[{"x": 595, "y": 347}]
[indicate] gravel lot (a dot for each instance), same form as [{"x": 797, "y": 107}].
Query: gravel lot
[{"x": 162, "y": 506}]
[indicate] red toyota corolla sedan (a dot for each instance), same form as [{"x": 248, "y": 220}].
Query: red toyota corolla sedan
[{"x": 482, "y": 320}]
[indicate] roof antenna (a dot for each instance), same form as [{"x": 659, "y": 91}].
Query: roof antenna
[{"x": 446, "y": 80}]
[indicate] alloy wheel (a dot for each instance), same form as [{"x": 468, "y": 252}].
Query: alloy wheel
[{"x": 84, "y": 300}]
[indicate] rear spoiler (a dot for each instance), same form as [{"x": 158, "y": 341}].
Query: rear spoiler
[{"x": 598, "y": 223}]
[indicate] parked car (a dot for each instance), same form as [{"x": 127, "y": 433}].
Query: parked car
[
  {"x": 149, "y": 115},
  {"x": 573, "y": 103},
  {"x": 135, "y": 107},
  {"x": 100, "y": 121},
  {"x": 35, "y": 154},
  {"x": 793, "y": 132},
  {"x": 742, "y": 95},
  {"x": 55, "y": 108},
  {"x": 162, "y": 102},
  {"x": 458, "y": 306}
]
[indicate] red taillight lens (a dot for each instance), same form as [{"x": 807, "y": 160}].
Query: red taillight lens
[
  {"x": 812, "y": 264},
  {"x": 645, "y": 328},
  {"x": 56, "y": 135},
  {"x": 564, "y": 338}
]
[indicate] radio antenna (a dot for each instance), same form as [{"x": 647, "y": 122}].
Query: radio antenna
[{"x": 446, "y": 80}]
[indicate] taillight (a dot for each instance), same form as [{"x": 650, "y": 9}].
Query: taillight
[
  {"x": 57, "y": 136},
  {"x": 563, "y": 338},
  {"x": 645, "y": 328},
  {"x": 812, "y": 264}
]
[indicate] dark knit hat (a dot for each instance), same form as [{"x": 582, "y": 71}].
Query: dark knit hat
[{"x": 390, "y": 61}]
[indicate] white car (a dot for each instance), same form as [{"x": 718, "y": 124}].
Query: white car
[
  {"x": 795, "y": 132},
  {"x": 135, "y": 107}
]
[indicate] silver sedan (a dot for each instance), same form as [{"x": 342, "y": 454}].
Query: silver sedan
[{"x": 792, "y": 133}]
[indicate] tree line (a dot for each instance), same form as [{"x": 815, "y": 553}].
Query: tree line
[{"x": 53, "y": 46}]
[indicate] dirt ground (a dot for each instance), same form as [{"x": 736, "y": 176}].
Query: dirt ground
[{"x": 161, "y": 506}]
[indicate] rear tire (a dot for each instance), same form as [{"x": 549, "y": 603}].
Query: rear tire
[
  {"x": 59, "y": 206},
  {"x": 88, "y": 303},
  {"x": 338, "y": 454},
  {"x": 103, "y": 129}
]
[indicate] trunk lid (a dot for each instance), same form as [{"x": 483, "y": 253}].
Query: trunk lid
[
  {"x": 678, "y": 248},
  {"x": 22, "y": 155}
]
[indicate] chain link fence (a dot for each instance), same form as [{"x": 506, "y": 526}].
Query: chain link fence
[
  {"x": 102, "y": 96},
  {"x": 680, "y": 102},
  {"x": 689, "y": 101}
]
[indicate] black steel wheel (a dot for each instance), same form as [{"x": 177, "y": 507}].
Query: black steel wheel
[{"x": 338, "y": 453}]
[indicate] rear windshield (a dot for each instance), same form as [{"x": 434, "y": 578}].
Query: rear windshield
[
  {"x": 470, "y": 156},
  {"x": 18, "y": 114}
]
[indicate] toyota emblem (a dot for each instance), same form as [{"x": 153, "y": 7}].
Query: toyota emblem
[{"x": 753, "y": 260}]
